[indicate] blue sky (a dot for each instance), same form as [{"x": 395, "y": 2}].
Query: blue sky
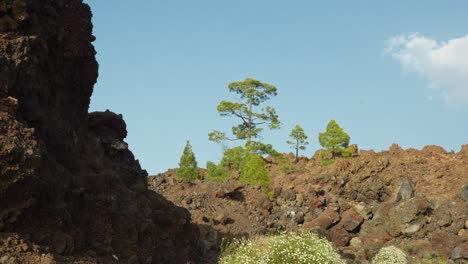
[{"x": 386, "y": 71}]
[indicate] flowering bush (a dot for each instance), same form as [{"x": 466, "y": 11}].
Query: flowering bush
[
  {"x": 390, "y": 255},
  {"x": 303, "y": 248}
]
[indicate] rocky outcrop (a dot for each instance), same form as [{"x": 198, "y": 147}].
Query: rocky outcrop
[
  {"x": 70, "y": 190},
  {"x": 412, "y": 199}
]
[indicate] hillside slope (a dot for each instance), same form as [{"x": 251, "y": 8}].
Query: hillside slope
[{"x": 414, "y": 199}]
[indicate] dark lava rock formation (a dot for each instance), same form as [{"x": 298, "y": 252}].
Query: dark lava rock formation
[{"x": 70, "y": 190}]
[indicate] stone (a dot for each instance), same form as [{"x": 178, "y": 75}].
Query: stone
[
  {"x": 355, "y": 242},
  {"x": 314, "y": 202},
  {"x": 460, "y": 252},
  {"x": 220, "y": 218},
  {"x": 339, "y": 236},
  {"x": 325, "y": 220},
  {"x": 220, "y": 194},
  {"x": 444, "y": 243},
  {"x": 351, "y": 220},
  {"x": 298, "y": 218},
  {"x": 463, "y": 233},
  {"x": 262, "y": 201},
  {"x": 355, "y": 150},
  {"x": 421, "y": 247},
  {"x": 464, "y": 192},
  {"x": 411, "y": 229},
  {"x": 8, "y": 260},
  {"x": 363, "y": 210},
  {"x": 444, "y": 219},
  {"x": 288, "y": 195},
  {"x": 405, "y": 189},
  {"x": 405, "y": 213},
  {"x": 308, "y": 217},
  {"x": 300, "y": 198}
]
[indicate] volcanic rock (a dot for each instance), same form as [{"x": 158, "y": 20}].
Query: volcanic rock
[{"x": 68, "y": 183}]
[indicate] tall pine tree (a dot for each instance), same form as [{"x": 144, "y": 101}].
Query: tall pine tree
[
  {"x": 251, "y": 94},
  {"x": 299, "y": 141}
]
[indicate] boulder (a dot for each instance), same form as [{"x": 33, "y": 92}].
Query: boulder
[
  {"x": 405, "y": 189},
  {"x": 444, "y": 243},
  {"x": 464, "y": 192},
  {"x": 298, "y": 218},
  {"x": 325, "y": 220},
  {"x": 339, "y": 236},
  {"x": 460, "y": 252},
  {"x": 351, "y": 220},
  {"x": 262, "y": 201}
]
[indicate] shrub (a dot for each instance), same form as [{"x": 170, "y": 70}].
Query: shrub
[
  {"x": 438, "y": 259},
  {"x": 253, "y": 172},
  {"x": 389, "y": 255},
  {"x": 289, "y": 168},
  {"x": 347, "y": 152},
  {"x": 300, "y": 248},
  {"x": 325, "y": 158},
  {"x": 216, "y": 172},
  {"x": 232, "y": 158},
  {"x": 188, "y": 164}
]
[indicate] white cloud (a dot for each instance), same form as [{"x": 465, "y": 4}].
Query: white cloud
[{"x": 443, "y": 64}]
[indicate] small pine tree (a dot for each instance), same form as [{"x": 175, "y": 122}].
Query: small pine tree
[
  {"x": 253, "y": 172},
  {"x": 188, "y": 164},
  {"x": 334, "y": 139},
  {"x": 299, "y": 141}
]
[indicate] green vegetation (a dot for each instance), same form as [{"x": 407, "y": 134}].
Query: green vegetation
[
  {"x": 216, "y": 172},
  {"x": 335, "y": 141},
  {"x": 252, "y": 93},
  {"x": 188, "y": 164},
  {"x": 233, "y": 158},
  {"x": 250, "y": 166},
  {"x": 299, "y": 141},
  {"x": 289, "y": 168},
  {"x": 326, "y": 158},
  {"x": 231, "y": 162},
  {"x": 409, "y": 249},
  {"x": 300, "y": 248},
  {"x": 431, "y": 260},
  {"x": 390, "y": 255},
  {"x": 253, "y": 172}
]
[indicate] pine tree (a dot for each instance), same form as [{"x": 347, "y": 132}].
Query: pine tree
[
  {"x": 299, "y": 141},
  {"x": 253, "y": 172},
  {"x": 252, "y": 93},
  {"x": 188, "y": 164},
  {"x": 334, "y": 139}
]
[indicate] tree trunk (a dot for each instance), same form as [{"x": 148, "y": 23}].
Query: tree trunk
[
  {"x": 249, "y": 132},
  {"x": 297, "y": 150}
]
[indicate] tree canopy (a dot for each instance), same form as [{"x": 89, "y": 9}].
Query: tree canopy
[
  {"x": 188, "y": 164},
  {"x": 299, "y": 141},
  {"x": 251, "y": 93},
  {"x": 334, "y": 139}
]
